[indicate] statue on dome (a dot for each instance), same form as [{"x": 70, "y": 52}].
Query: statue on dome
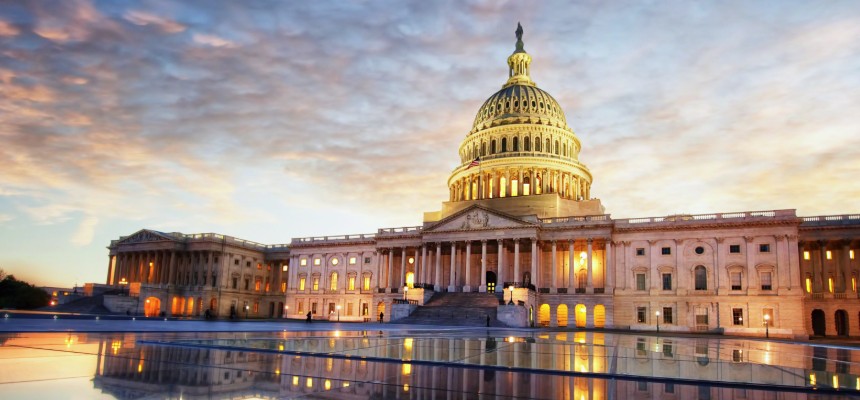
[{"x": 519, "y": 33}]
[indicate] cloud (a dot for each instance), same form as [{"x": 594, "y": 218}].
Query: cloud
[
  {"x": 7, "y": 29},
  {"x": 144, "y": 18},
  {"x": 85, "y": 232},
  {"x": 212, "y": 40}
]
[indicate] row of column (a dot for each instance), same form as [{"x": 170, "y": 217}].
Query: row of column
[
  {"x": 821, "y": 269},
  {"x": 519, "y": 182},
  {"x": 164, "y": 267}
]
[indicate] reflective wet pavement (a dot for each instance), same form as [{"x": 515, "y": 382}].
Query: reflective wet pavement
[{"x": 403, "y": 363}]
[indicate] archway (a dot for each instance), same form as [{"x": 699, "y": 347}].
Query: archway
[
  {"x": 561, "y": 315},
  {"x": 152, "y": 307},
  {"x": 819, "y": 323},
  {"x": 410, "y": 279},
  {"x": 543, "y": 315},
  {"x": 282, "y": 310},
  {"x": 189, "y": 310},
  {"x": 527, "y": 279},
  {"x": 213, "y": 306},
  {"x": 271, "y": 309},
  {"x": 491, "y": 282},
  {"x": 599, "y": 316},
  {"x": 841, "y": 319},
  {"x": 199, "y": 306},
  {"x": 380, "y": 311},
  {"x": 581, "y": 315}
]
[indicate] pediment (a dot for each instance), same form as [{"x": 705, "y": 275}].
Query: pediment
[
  {"x": 478, "y": 218},
  {"x": 145, "y": 236}
]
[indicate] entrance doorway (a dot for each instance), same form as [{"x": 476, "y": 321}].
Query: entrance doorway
[
  {"x": 819, "y": 324},
  {"x": 841, "y": 323},
  {"x": 527, "y": 279},
  {"x": 152, "y": 307},
  {"x": 491, "y": 282}
]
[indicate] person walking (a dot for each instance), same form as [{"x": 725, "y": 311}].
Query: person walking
[
  {"x": 309, "y": 317},
  {"x": 381, "y": 317}
]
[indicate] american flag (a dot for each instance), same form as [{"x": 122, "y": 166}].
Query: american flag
[{"x": 476, "y": 162}]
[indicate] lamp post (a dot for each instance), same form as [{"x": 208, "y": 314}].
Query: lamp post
[
  {"x": 657, "y": 313},
  {"x": 338, "y": 312},
  {"x": 246, "y": 311},
  {"x": 405, "y": 290},
  {"x": 511, "y": 288},
  {"x": 767, "y": 326},
  {"x": 286, "y": 311}
]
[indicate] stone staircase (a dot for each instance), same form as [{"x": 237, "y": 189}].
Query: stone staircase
[{"x": 456, "y": 309}]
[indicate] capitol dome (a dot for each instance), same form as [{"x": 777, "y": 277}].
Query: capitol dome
[{"x": 519, "y": 103}]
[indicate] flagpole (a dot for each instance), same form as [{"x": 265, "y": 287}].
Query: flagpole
[{"x": 480, "y": 178}]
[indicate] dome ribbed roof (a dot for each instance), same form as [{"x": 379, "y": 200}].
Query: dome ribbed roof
[{"x": 522, "y": 102}]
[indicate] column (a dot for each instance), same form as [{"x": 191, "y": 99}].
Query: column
[
  {"x": 750, "y": 268},
  {"x": 590, "y": 278},
  {"x": 718, "y": 266},
  {"x": 110, "y": 272},
  {"x": 517, "y": 277},
  {"x": 389, "y": 279},
  {"x": 402, "y": 267},
  {"x": 844, "y": 266},
  {"x": 423, "y": 263},
  {"x": 819, "y": 277},
  {"x": 534, "y": 271},
  {"x": 554, "y": 267},
  {"x": 452, "y": 270},
  {"x": 209, "y": 264},
  {"x": 438, "y": 280},
  {"x": 609, "y": 271},
  {"x": 483, "y": 287},
  {"x": 571, "y": 267},
  {"x": 468, "y": 287},
  {"x": 378, "y": 268},
  {"x": 500, "y": 270}
]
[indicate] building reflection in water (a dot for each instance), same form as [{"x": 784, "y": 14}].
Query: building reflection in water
[{"x": 521, "y": 368}]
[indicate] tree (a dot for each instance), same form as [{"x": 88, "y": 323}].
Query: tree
[{"x": 21, "y": 295}]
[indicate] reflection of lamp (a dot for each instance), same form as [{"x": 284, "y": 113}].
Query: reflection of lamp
[
  {"x": 767, "y": 325},
  {"x": 658, "y": 320},
  {"x": 511, "y": 288},
  {"x": 338, "y": 312}
]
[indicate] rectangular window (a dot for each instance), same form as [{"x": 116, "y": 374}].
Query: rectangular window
[
  {"x": 764, "y": 248},
  {"x": 667, "y": 281},
  {"x": 351, "y": 283},
  {"x": 352, "y": 261},
  {"x": 666, "y": 251},
  {"x": 303, "y": 262},
  {"x": 317, "y": 261},
  {"x": 806, "y": 255},
  {"x": 640, "y": 281},
  {"x": 236, "y": 262},
  {"x": 640, "y": 315},
  {"x": 737, "y": 355},
  {"x": 283, "y": 286},
  {"x": 736, "y": 280},
  {"x": 314, "y": 308},
  {"x": 767, "y": 316},
  {"x": 247, "y": 263},
  {"x": 235, "y": 282},
  {"x": 642, "y": 386},
  {"x": 256, "y": 307},
  {"x": 284, "y": 267},
  {"x": 349, "y": 309},
  {"x": 851, "y": 254},
  {"x": 641, "y": 348},
  {"x": 668, "y": 349},
  {"x": 669, "y": 388},
  {"x": 808, "y": 285},
  {"x": 829, "y": 255},
  {"x": 316, "y": 285},
  {"x": 367, "y": 260},
  {"x": 247, "y": 284},
  {"x": 301, "y": 307},
  {"x": 366, "y": 283},
  {"x": 257, "y": 284},
  {"x": 640, "y": 251},
  {"x": 830, "y": 284},
  {"x": 259, "y": 266},
  {"x": 302, "y": 283},
  {"x": 737, "y": 316},
  {"x": 734, "y": 248},
  {"x": 766, "y": 280},
  {"x": 701, "y": 316},
  {"x": 667, "y": 315}
]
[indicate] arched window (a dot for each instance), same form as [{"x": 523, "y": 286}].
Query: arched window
[
  {"x": 548, "y": 147},
  {"x": 556, "y": 147},
  {"x": 483, "y": 149},
  {"x": 333, "y": 281},
  {"x": 516, "y": 144},
  {"x": 537, "y": 144},
  {"x": 526, "y": 186},
  {"x": 493, "y": 147},
  {"x": 701, "y": 275},
  {"x": 527, "y": 143},
  {"x": 504, "y": 145},
  {"x": 564, "y": 149}
]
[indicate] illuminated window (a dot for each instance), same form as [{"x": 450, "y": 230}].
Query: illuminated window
[
  {"x": 317, "y": 261},
  {"x": 737, "y": 316},
  {"x": 349, "y": 308},
  {"x": 503, "y": 187},
  {"x": 806, "y": 255},
  {"x": 285, "y": 268},
  {"x": 303, "y": 262},
  {"x": 851, "y": 254},
  {"x": 808, "y": 285},
  {"x": 366, "y": 284},
  {"x": 333, "y": 285},
  {"x": 640, "y": 315},
  {"x": 300, "y": 307},
  {"x": 351, "y": 284},
  {"x": 853, "y": 284},
  {"x": 829, "y": 255},
  {"x": 283, "y": 286},
  {"x": 515, "y": 188},
  {"x": 352, "y": 261},
  {"x": 302, "y": 283},
  {"x": 830, "y": 284},
  {"x": 316, "y": 285},
  {"x": 268, "y": 285},
  {"x": 256, "y": 307}
]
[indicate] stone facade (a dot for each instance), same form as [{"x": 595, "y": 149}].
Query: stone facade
[{"x": 520, "y": 216}]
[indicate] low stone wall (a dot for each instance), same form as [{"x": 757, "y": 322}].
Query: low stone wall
[
  {"x": 400, "y": 311},
  {"x": 513, "y": 316},
  {"x": 121, "y": 304}
]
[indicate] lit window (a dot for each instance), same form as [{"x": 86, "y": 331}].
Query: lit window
[
  {"x": 349, "y": 307},
  {"x": 333, "y": 285},
  {"x": 283, "y": 286},
  {"x": 640, "y": 315},
  {"x": 737, "y": 316},
  {"x": 830, "y": 284},
  {"x": 303, "y": 262},
  {"x": 301, "y": 307},
  {"x": 808, "y": 285},
  {"x": 317, "y": 261},
  {"x": 257, "y": 284},
  {"x": 351, "y": 283},
  {"x": 302, "y": 283},
  {"x": 806, "y": 255},
  {"x": 366, "y": 285},
  {"x": 851, "y": 254},
  {"x": 853, "y": 284},
  {"x": 352, "y": 261},
  {"x": 829, "y": 255},
  {"x": 316, "y": 283},
  {"x": 514, "y": 188}
]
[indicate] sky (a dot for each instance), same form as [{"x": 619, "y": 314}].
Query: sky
[{"x": 272, "y": 120}]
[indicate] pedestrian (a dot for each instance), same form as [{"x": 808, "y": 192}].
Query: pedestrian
[
  {"x": 381, "y": 317},
  {"x": 309, "y": 317},
  {"x": 488, "y": 321}
]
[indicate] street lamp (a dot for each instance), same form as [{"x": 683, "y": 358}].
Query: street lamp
[
  {"x": 338, "y": 312},
  {"x": 246, "y": 311},
  {"x": 767, "y": 326},
  {"x": 657, "y": 313},
  {"x": 511, "y": 288},
  {"x": 405, "y": 290},
  {"x": 286, "y": 311}
]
